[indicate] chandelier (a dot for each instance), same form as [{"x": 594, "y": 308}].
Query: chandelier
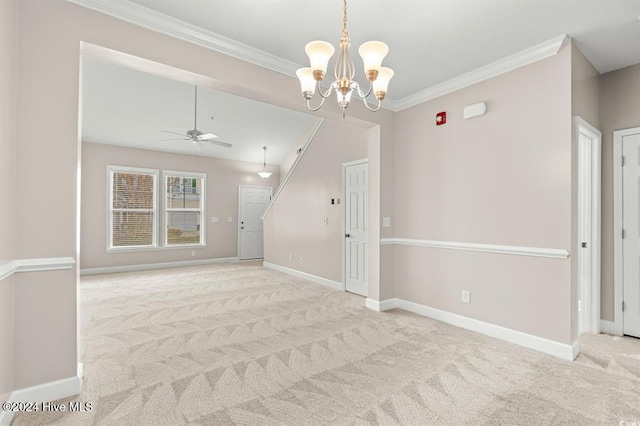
[{"x": 319, "y": 53}]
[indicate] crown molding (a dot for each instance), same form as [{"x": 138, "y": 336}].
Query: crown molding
[
  {"x": 159, "y": 22},
  {"x": 501, "y": 66}
]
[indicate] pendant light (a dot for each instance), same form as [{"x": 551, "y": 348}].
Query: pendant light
[{"x": 264, "y": 173}]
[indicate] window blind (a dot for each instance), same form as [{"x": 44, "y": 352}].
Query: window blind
[{"x": 133, "y": 208}]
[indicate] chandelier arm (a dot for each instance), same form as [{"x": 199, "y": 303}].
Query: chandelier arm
[
  {"x": 328, "y": 92},
  {"x": 359, "y": 90},
  {"x": 316, "y": 108},
  {"x": 374, "y": 109}
]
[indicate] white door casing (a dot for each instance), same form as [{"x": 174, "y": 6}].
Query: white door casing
[
  {"x": 631, "y": 233},
  {"x": 589, "y": 225},
  {"x": 252, "y": 201},
  {"x": 356, "y": 218}
]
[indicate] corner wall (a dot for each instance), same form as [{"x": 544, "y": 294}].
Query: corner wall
[
  {"x": 295, "y": 224},
  {"x": 8, "y": 113},
  {"x": 503, "y": 179},
  {"x": 619, "y": 109},
  {"x": 223, "y": 178}
]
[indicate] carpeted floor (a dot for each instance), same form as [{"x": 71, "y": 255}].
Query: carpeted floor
[{"x": 241, "y": 344}]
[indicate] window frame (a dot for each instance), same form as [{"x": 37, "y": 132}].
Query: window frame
[
  {"x": 111, "y": 170},
  {"x": 202, "y": 210}
]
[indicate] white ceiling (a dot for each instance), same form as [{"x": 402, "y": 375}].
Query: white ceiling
[
  {"x": 122, "y": 106},
  {"x": 431, "y": 42}
]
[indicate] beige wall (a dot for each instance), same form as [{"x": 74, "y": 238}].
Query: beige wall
[
  {"x": 8, "y": 106},
  {"x": 51, "y": 32},
  {"x": 42, "y": 302},
  {"x": 223, "y": 178},
  {"x": 503, "y": 178},
  {"x": 619, "y": 109},
  {"x": 585, "y": 88},
  {"x": 295, "y": 224}
]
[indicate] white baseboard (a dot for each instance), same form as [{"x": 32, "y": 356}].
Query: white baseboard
[
  {"x": 45, "y": 392},
  {"x": 379, "y": 306},
  {"x": 313, "y": 278},
  {"x": 575, "y": 350},
  {"x": 551, "y": 347},
  {"x": 609, "y": 327},
  {"x": 148, "y": 266}
]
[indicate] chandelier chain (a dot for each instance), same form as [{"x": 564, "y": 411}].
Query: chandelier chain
[{"x": 345, "y": 32}]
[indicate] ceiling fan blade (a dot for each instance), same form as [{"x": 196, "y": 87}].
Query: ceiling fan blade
[
  {"x": 165, "y": 140},
  {"x": 207, "y": 136},
  {"x": 220, "y": 143},
  {"x": 174, "y": 133}
]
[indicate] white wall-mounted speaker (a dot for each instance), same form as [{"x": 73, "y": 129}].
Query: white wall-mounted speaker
[{"x": 475, "y": 110}]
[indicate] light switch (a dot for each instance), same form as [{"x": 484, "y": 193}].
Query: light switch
[
  {"x": 215, "y": 219},
  {"x": 229, "y": 219},
  {"x": 386, "y": 222}
]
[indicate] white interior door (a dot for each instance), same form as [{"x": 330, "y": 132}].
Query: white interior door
[
  {"x": 356, "y": 227},
  {"x": 589, "y": 207},
  {"x": 252, "y": 200},
  {"x": 631, "y": 233}
]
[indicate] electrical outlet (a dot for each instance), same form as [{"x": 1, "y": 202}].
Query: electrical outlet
[
  {"x": 301, "y": 261},
  {"x": 326, "y": 220},
  {"x": 290, "y": 258},
  {"x": 466, "y": 296},
  {"x": 193, "y": 253}
]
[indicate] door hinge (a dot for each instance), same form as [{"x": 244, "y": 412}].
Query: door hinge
[
  {"x": 622, "y": 162},
  {"x": 623, "y": 306},
  {"x": 623, "y": 233}
]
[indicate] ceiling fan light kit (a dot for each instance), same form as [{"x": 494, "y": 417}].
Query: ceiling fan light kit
[
  {"x": 319, "y": 53},
  {"x": 264, "y": 173}
]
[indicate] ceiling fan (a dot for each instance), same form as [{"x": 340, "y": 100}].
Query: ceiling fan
[{"x": 194, "y": 135}]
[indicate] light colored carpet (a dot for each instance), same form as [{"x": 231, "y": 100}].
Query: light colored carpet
[{"x": 241, "y": 344}]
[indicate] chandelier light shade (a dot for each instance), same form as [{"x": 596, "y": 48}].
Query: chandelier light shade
[
  {"x": 320, "y": 52},
  {"x": 264, "y": 173}
]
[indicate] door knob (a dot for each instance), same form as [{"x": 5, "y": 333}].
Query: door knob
[
  {"x": 347, "y": 235},
  {"x": 242, "y": 227}
]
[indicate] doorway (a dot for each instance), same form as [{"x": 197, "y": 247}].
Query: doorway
[
  {"x": 626, "y": 149},
  {"x": 252, "y": 200},
  {"x": 589, "y": 145},
  {"x": 356, "y": 218}
]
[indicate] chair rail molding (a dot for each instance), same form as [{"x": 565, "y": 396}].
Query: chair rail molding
[
  {"x": 488, "y": 248},
  {"x": 34, "y": 265}
]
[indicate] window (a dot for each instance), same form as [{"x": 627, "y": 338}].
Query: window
[
  {"x": 132, "y": 207},
  {"x": 184, "y": 208}
]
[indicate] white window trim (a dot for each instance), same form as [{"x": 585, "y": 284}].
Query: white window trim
[
  {"x": 138, "y": 170},
  {"x": 203, "y": 216}
]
